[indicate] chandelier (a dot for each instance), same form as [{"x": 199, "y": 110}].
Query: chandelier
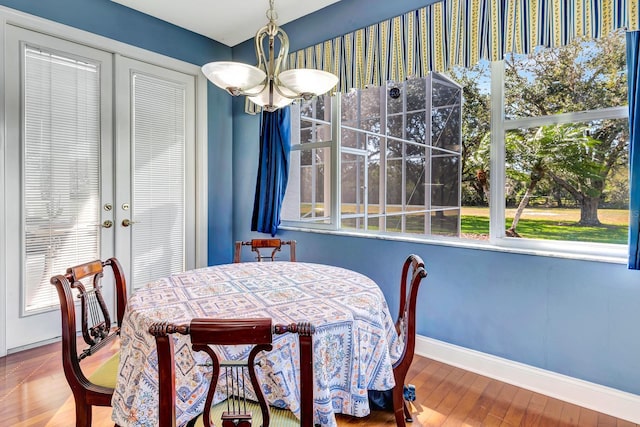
[{"x": 269, "y": 84}]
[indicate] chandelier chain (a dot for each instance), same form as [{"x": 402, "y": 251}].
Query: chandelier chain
[{"x": 272, "y": 15}]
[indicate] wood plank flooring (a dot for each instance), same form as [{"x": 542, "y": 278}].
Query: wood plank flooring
[{"x": 34, "y": 392}]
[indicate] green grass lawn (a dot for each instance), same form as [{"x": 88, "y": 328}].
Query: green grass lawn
[
  {"x": 535, "y": 223},
  {"x": 554, "y": 225}
]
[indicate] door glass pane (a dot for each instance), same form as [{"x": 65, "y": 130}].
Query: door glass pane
[
  {"x": 394, "y": 126},
  {"x": 314, "y": 194},
  {"x": 416, "y": 91},
  {"x": 353, "y": 184},
  {"x": 394, "y": 223},
  {"x": 375, "y": 202},
  {"x": 415, "y": 183},
  {"x": 158, "y": 126},
  {"x": 61, "y": 198}
]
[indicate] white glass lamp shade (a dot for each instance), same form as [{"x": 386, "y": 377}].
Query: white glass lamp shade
[
  {"x": 308, "y": 81},
  {"x": 234, "y": 77},
  {"x": 279, "y": 101}
]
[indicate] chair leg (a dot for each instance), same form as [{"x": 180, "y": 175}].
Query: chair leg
[
  {"x": 407, "y": 413},
  {"x": 399, "y": 408},
  {"x": 83, "y": 414}
]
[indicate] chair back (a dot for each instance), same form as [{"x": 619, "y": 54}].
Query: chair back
[
  {"x": 266, "y": 249},
  {"x": 96, "y": 325},
  {"x": 413, "y": 272},
  {"x": 256, "y": 332}
]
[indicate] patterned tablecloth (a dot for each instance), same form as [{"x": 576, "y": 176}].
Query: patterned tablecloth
[{"x": 354, "y": 344}]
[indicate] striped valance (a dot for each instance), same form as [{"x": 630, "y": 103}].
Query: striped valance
[{"x": 460, "y": 33}]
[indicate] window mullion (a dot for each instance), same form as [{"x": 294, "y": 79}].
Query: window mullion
[
  {"x": 382, "y": 186},
  {"x": 314, "y": 173},
  {"x": 570, "y": 117},
  {"x": 428, "y": 154},
  {"x": 336, "y": 156},
  {"x": 497, "y": 154}
]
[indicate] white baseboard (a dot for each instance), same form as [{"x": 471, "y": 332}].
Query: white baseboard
[
  {"x": 600, "y": 398},
  {"x": 32, "y": 345}
]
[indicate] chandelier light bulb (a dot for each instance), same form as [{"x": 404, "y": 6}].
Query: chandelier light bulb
[
  {"x": 234, "y": 77},
  {"x": 269, "y": 85}
]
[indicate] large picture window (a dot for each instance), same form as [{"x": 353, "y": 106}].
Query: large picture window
[
  {"x": 567, "y": 142},
  {"x": 527, "y": 152}
]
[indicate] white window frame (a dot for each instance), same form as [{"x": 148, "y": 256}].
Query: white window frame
[
  {"x": 499, "y": 126},
  {"x": 613, "y": 253},
  {"x": 333, "y": 223},
  {"x": 336, "y": 217}
]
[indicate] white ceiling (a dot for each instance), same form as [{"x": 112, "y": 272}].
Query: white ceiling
[{"x": 228, "y": 22}]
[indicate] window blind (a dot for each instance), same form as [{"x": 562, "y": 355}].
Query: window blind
[
  {"x": 60, "y": 188},
  {"x": 159, "y": 129}
]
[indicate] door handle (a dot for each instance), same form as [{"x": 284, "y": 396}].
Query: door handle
[
  {"x": 126, "y": 222},
  {"x": 106, "y": 224}
]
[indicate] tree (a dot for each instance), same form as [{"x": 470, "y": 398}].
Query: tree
[
  {"x": 476, "y": 126},
  {"x": 532, "y": 155},
  {"x": 582, "y": 76}
]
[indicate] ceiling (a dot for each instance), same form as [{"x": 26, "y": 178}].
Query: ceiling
[{"x": 228, "y": 22}]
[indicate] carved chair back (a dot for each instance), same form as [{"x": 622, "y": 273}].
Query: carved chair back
[
  {"x": 256, "y": 332},
  {"x": 266, "y": 249},
  {"x": 85, "y": 281},
  {"x": 413, "y": 272}
]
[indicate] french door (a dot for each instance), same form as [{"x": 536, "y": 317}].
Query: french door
[
  {"x": 99, "y": 162},
  {"x": 155, "y": 158}
]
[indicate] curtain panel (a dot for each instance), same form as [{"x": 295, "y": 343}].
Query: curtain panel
[
  {"x": 453, "y": 33},
  {"x": 273, "y": 170},
  {"x": 633, "y": 76}
]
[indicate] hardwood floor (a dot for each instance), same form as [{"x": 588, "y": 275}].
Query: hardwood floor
[{"x": 34, "y": 392}]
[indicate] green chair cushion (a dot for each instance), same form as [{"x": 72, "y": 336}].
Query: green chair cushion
[
  {"x": 279, "y": 417},
  {"x": 107, "y": 373}
]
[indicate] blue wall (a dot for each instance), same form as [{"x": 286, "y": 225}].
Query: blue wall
[
  {"x": 573, "y": 317},
  {"x": 112, "y": 20}
]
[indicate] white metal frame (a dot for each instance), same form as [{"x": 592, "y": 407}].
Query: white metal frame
[
  {"x": 338, "y": 150},
  {"x": 331, "y": 165}
]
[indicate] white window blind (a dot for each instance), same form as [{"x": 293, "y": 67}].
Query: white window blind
[
  {"x": 61, "y": 194},
  {"x": 159, "y": 130}
]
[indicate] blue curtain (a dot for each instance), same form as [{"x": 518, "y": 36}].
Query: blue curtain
[
  {"x": 633, "y": 55},
  {"x": 273, "y": 170}
]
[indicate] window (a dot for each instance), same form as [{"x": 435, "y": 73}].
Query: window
[
  {"x": 310, "y": 193},
  {"x": 566, "y": 143},
  {"x": 399, "y": 159},
  {"x": 424, "y": 157}
]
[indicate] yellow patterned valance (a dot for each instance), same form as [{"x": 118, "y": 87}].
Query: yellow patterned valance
[
  {"x": 453, "y": 33},
  {"x": 460, "y": 33}
]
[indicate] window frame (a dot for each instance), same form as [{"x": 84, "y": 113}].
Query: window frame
[
  {"x": 332, "y": 144},
  {"x": 498, "y": 241},
  {"x": 499, "y": 127}
]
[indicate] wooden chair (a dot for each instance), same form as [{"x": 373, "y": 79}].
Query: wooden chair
[
  {"x": 238, "y": 410},
  {"x": 258, "y": 244},
  {"x": 412, "y": 274},
  {"x": 97, "y": 332}
]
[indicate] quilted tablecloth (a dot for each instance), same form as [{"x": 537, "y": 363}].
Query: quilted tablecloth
[{"x": 353, "y": 347}]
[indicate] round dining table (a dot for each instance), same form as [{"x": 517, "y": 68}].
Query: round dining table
[{"x": 354, "y": 344}]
